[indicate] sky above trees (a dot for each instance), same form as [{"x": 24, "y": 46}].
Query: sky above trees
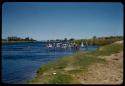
[{"x": 59, "y": 20}]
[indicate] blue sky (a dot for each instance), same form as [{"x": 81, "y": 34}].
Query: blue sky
[{"x": 57, "y": 20}]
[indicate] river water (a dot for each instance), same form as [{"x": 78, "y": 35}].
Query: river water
[{"x": 20, "y": 61}]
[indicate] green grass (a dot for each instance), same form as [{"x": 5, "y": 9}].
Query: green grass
[
  {"x": 60, "y": 78},
  {"x": 85, "y": 61},
  {"x": 108, "y": 50},
  {"x": 75, "y": 64}
]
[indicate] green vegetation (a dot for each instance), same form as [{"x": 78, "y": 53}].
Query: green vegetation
[
  {"x": 100, "y": 40},
  {"x": 68, "y": 68},
  {"x": 60, "y": 78},
  {"x": 17, "y": 39},
  {"x": 92, "y": 41},
  {"x": 108, "y": 49}
]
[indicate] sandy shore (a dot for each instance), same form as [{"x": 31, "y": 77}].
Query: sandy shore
[{"x": 109, "y": 73}]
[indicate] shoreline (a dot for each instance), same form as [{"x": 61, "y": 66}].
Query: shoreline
[
  {"x": 59, "y": 72},
  {"x": 18, "y": 41}
]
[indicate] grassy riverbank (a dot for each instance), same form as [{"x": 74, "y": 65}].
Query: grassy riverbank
[{"x": 67, "y": 69}]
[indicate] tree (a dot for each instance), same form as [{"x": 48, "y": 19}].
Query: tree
[
  {"x": 65, "y": 39},
  {"x": 58, "y": 40},
  {"x": 4, "y": 39},
  {"x": 72, "y": 39},
  {"x": 94, "y": 37},
  {"x": 31, "y": 39},
  {"x": 27, "y": 39}
]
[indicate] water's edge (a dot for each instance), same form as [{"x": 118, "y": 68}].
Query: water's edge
[{"x": 24, "y": 59}]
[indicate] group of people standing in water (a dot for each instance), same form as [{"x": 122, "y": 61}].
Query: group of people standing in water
[{"x": 63, "y": 45}]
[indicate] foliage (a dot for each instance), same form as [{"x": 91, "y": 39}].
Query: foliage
[
  {"x": 14, "y": 38},
  {"x": 100, "y": 40},
  {"x": 60, "y": 78}
]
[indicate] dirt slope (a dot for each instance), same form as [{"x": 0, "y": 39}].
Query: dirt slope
[{"x": 109, "y": 73}]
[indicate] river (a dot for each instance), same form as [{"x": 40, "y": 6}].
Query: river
[{"x": 20, "y": 61}]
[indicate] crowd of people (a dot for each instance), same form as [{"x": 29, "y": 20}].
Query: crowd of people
[{"x": 63, "y": 45}]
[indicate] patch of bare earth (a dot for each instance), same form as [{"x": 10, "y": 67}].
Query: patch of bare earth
[
  {"x": 119, "y": 41},
  {"x": 109, "y": 73}
]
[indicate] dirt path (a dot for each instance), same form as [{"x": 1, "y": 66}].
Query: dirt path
[{"x": 109, "y": 73}]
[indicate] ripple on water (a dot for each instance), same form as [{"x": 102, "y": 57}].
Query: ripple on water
[{"x": 20, "y": 61}]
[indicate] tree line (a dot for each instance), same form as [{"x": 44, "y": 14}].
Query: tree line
[
  {"x": 92, "y": 41},
  {"x": 100, "y": 40},
  {"x": 14, "y": 38}
]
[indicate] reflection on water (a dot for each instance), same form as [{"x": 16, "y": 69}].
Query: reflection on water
[{"x": 20, "y": 61}]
